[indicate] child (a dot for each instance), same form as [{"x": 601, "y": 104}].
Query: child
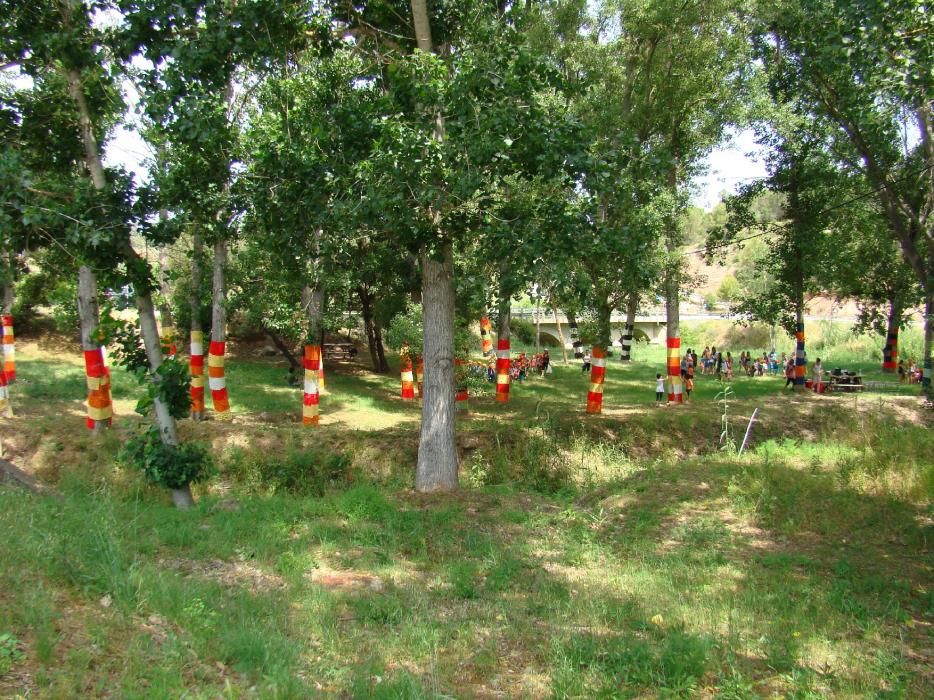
[
  {"x": 659, "y": 389},
  {"x": 688, "y": 388},
  {"x": 789, "y": 374}
]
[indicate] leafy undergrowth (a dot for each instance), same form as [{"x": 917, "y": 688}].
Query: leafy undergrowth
[{"x": 584, "y": 557}]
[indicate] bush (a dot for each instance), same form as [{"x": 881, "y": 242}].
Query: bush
[
  {"x": 522, "y": 330},
  {"x": 299, "y": 472},
  {"x": 166, "y": 465},
  {"x": 63, "y": 300}
]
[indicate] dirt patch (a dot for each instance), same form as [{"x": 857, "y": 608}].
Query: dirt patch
[
  {"x": 230, "y": 574},
  {"x": 346, "y": 581}
]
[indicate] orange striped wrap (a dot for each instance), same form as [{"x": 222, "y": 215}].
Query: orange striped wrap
[
  {"x": 100, "y": 407},
  {"x": 6, "y": 409},
  {"x": 675, "y": 393},
  {"x": 310, "y": 401},
  {"x": 502, "y": 370},
  {"x": 217, "y": 382},
  {"x": 408, "y": 378},
  {"x": 597, "y": 376},
  {"x": 9, "y": 350},
  {"x": 196, "y": 365}
]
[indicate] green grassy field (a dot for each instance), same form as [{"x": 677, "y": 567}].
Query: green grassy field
[{"x": 625, "y": 555}]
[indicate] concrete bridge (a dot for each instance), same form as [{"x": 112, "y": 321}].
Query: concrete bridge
[{"x": 650, "y": 325}]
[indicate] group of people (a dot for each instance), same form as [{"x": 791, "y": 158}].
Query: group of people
[
  {"x": 715, "y": 363},
  {"x": 911, "y": 372},
  {"x": 721, "y": 365},
  {"x": 521, "y": 366}
]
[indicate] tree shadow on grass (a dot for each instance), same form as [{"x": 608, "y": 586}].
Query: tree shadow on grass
[{"x": 800, "y": 575}]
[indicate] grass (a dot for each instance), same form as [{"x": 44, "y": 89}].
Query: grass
[{"x": 614, "y": 556}]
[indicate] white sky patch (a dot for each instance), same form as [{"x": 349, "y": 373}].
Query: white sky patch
[{"x": 736, "y": 162}]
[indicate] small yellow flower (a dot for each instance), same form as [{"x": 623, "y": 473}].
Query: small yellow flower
[{"x": 657, "y": 620}]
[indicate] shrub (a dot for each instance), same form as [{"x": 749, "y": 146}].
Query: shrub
[
  {"x": 167, "y": 465},
  {"x": 304, "y": 472},
  {"x": 300, "y": 472},
  {"x": 522, "y": 330}
]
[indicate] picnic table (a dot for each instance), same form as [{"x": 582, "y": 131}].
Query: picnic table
[
  {"x": 339, "y": 351},
  {"x": 845, "y": 381}
]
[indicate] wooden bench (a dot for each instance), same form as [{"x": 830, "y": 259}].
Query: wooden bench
[
  {"x": 339, "y": 351},
  {"x": 883, "y": 386}
]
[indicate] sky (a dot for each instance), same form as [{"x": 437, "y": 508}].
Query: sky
[{"x": 733, "y": 164}]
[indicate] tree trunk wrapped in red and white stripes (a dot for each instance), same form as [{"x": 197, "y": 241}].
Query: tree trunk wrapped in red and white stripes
[
  {"x": 6, "y": 408},
  {"x": 406, "y": 375},
  {"x": 9, "y": 350},
  {"x": 675, "y": 393},
  {"x": 100, "y": 407},
  {"x": 217, "y": 382},
  {"x": 311, "y": 399},
  {"x": 502, "y": 370},
  {"x": 597, "y": 376},
  {"x": 196, "y": 364}
]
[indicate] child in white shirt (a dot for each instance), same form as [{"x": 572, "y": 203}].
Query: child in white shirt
[{"x": 659, "y": 389}]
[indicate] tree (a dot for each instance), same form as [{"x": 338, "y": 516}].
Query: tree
[
  {"x": 685, "y": 67},
  {"x": 861, "y": 72},
  {"x": 200, "y": 53},
  {"x": 794, "y": 261}
]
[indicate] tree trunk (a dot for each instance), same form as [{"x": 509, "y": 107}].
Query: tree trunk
[
  {"x": 366, "y": 309},
  {"x": 313, "y": 306},
  {"x": 926, "y": 378},
  {"x": 673, "y": 320},
  {"x": 890, "y": 351},
  {"x": 673, "y": 287},
  {"x": 147, "y": 322},
  {"x": 632, "y": 306},
  {"x": 564, "y": 349},
  {"x": 92, "y": 156},
  {"x": 217, "y": 381},
  {"x": 8, "y": 298},
  {"x": 598, "y": 357},
  {"x": 196, "y": 356},
  {"x": 380, "y": 348},
  {"x": 800, "y": 354},
  {"x": 576, "y": 343},
  {"x": 437, "y": 453},
  {"x": 538, "y": 324},
  {"x": 502, "y": 347},
  {"x": 294, "y": 364},
  {"x": 100, "y": 408},
  {"x": 165, "y": 310},
  {"x": 182, "y": 498},
  {"x": 9, "y": 341}
]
